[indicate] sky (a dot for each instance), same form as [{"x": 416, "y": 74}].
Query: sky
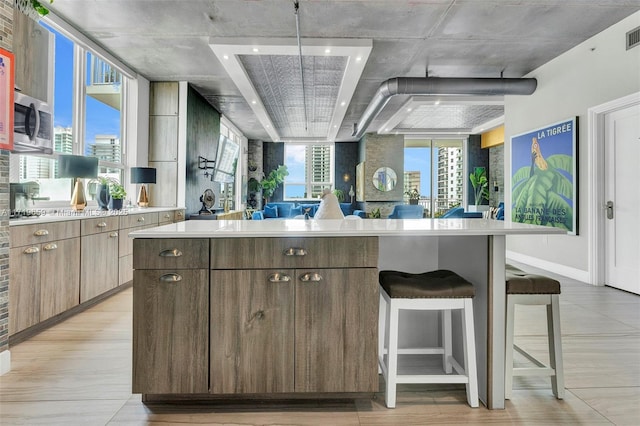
[{"x": 417, "y": 159}]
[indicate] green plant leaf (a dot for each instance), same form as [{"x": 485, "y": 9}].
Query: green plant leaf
[{"x": 561, "y": 162}]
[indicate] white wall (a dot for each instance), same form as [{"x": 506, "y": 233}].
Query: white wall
[{"x": 594, "y": 72}]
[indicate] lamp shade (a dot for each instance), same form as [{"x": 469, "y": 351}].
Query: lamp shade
[
  {"x": 77, "y": 166},
  {"x": 143, "y": 175}
]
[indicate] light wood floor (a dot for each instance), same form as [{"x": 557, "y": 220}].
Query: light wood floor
[{"x": 79, "y": 373}]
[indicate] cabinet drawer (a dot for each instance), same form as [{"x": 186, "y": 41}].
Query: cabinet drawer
[
  {"x": 165, "y": 217},
  {"x": 44, "y": 232},
  {"x": 99, "y": 224},
  {"x": 170, "y": 253},
  {"x": 178, "y": 215},
  {"x": 138, "y": 219},
  {"x": 324, "y": 252}
]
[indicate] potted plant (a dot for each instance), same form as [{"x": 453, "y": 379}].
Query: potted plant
[
  {"x": 375, "y": 213},
  {"x": 414, "y": 195},
  {"x": 270, "y": 183},
  {"x": 339, "y": 193},
  {"x": 480, "y": 185},
  {"x": 116, "y": 196}
]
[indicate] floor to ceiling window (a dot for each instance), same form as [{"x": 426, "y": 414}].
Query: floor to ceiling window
[
  {"x": 434, "y": 168},
  {"x": 310, "y": 167}
]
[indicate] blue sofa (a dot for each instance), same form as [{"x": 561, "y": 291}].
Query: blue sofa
[
  {"x": 407, "y": 211},
  {"x": 459, "y": 213},
  {"x": 288, "y": 210}
]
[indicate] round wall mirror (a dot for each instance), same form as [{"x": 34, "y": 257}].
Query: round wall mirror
[{"x": 385, "y": 179}]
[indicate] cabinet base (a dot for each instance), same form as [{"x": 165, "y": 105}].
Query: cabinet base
[{"x": 271, "y": 398}]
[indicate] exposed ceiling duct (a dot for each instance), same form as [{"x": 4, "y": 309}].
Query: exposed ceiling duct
[{"x": 440, "y": 86}]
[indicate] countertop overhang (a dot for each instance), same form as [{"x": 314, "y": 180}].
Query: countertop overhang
[{"x": 340, "y": 228}]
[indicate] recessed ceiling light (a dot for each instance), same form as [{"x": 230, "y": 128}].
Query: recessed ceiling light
[
  {"x": 343, "y": 103},
  {"x": 386, "y": 130},
  {"x": 409, "y": 109},
  {"x": 253, "y": 101},
  {"x": 358, "y": 58},
  {"x": 437, "y": 102},
  {"x": 268, "y": 126},
  {"x": 255, "y": 49},
  {"x": 327, "y": 50},
  {"x": 226, "y": 56},
  {"x": 335, "y": 125}
]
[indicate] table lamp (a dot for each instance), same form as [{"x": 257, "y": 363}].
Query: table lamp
[
  {"x": 77, "y": 167},
  {"x": 143, "y": 175}
]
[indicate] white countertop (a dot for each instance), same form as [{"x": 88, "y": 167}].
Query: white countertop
[
  {"x": 339, "y": 228},
  {"x": 58, "y": 215}
]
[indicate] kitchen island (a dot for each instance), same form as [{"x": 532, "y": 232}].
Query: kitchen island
[{"x": 289, "y": 308}]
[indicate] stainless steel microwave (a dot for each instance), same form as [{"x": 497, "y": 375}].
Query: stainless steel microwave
[{"x": 32, "y": 125}]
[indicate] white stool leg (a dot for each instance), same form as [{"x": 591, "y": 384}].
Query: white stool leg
[
  {"x": 446, "y": 341},
  {"x": 392, "y": 356},
  {"x": 382, "y": 315},
  {"x": 508, "y": 356},
  {"x": 469, "y": 339},
  {"x": 555, "y": 346}
]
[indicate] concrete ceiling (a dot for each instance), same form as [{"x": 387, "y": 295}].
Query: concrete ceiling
[{"x": 169, "y": 40}]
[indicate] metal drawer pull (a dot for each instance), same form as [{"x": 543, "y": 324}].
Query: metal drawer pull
[
  {"x": 113, "y": 234},
  {"x": 279, "y": 278},
  {"x": 170, "y": 278},
  {"x": 313, "y": 277},
  {"x": 41, "y": 233},
  {"x": 50, "y": 246},
  {"x": 171, "y": 253},
  {"x": 31, "y": 250},
  {"x": 167, "y": 216},
  {"x": 179, "y": 214},
  {"x": 294, "y": 251},
  {"x": 102, "y": 225},
  {"x": 141, "y": 219}
]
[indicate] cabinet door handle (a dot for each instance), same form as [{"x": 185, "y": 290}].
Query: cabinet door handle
[
  {"x": 167, "y": 216},
  {"x": 141, "y": 219},
  {"x": 113, "y": 235},
  {"x": 41, "y": 233},
  {"x": 180, "y": 214},
  {"x": 170, "y": 278},
  {"x": 171, "y": 253},
  {"x": 279, "y": 278},
  {"x": 294, "y": 251},
  {"x": 102, "y": 225},
  {"x": 312, "y": 277},
  {"x": 31, "y": 250},
  {"x": 50, "y": 246}
]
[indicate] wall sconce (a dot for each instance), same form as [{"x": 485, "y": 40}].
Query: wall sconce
[
  {"x": 143, "y": 175},
  {"x": 495, "y": 186},
  {"x": 346, "y": 177},
  {"x": 77, "y": 167}
]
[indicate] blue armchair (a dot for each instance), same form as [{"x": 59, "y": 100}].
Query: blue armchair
[{"x": 407, "y": 211}]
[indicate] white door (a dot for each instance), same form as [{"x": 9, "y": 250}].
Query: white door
[{"x": 622, "y": 195}]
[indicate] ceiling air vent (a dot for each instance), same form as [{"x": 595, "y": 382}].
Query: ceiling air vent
[{"x": 633, "y": 38}]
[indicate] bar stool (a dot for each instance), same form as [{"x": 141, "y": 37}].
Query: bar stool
[
  {"x": 438, "y": 290},
  {"x": 531, "y": 289}
]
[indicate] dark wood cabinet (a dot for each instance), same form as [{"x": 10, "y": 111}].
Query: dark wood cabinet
[
  {"x": 252, "y": 331},
  {"x": 170, "y": 331}
]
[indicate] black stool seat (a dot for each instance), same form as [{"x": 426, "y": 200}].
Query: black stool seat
[
  {"x": 435, "y": 284},
  {"x": 520, "y": 282}
]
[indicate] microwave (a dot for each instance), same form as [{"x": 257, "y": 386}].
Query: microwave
[{"x": 32, "y": 125}]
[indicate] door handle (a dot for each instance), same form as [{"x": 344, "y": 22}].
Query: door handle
[{"x": 609, "y": 207}]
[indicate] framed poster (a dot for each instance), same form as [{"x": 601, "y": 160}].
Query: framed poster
[
  {"x": 6, "y": 99},
  {"x": 544, "y": 176}
]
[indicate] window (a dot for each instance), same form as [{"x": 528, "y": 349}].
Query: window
[
  {"x": 88, "y": 120},
  {"x": 310, "y": 169},
  {"x": 436, "y": 169}
]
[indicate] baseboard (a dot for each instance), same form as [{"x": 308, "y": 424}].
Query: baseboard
[
  {"x": 567, "y": 271},
  {"x": 5, "y": 362}
]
